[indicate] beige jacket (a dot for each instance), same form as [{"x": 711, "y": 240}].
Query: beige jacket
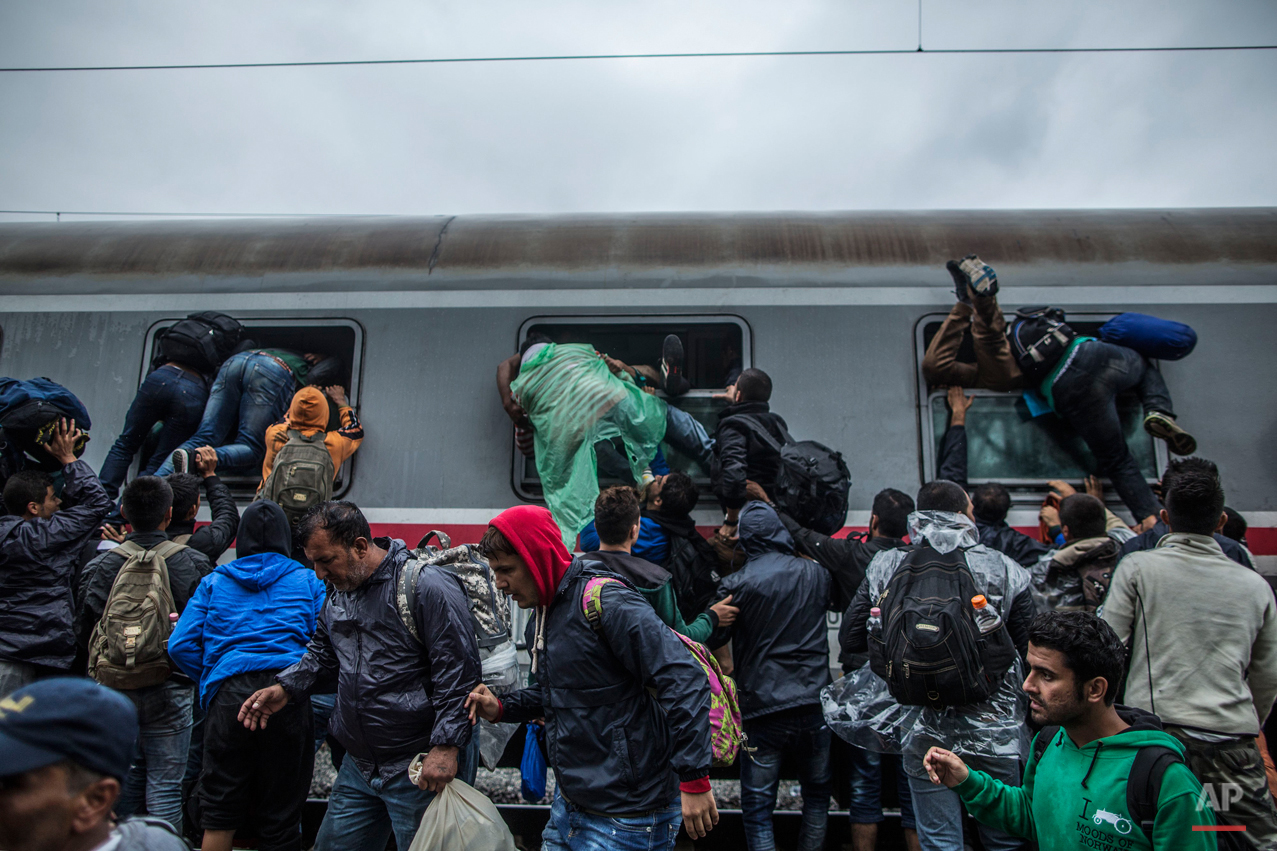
[{"x": 1211, "y": 629}]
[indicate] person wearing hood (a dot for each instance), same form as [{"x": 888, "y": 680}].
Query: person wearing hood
[
  {"x": 1077, "y": 575},
  {"x": 626, "y": 706},
  {"x": 780, "y": 648},
  {"x": 991, "y": 730},
  {"x": 248, "y": 620},
  {"x": 1074, "y": 793},
  {"x": 399, "y": 694},
  {"x": 309, "y": 415}
]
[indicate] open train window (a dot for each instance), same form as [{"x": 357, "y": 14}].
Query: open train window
[
  {"x": 714, "y": 347},
  {"x": 342, "y": 338},
  {"x": 1006, "y": 444}
]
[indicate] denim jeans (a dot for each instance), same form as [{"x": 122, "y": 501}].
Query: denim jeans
[
  {"x": 573, "y": 829},
  {"x": 1086, "y": 398},
  {"x": 16, "y": 675},
  {"x": 686, "y": 434},
  {"x": 865, "y": 806},
  {"x": 159, "y": 763},
  {"x": 252, "y": 391},
  {"x": 803, "y": 734},
  {"x": 938, "y": 810},
  {"x": 363, "y": 813},
  {"x": 168, "y": 395}
]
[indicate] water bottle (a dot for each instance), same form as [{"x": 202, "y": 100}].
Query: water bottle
[
  {"x": 875, "y": 622},
  {"x": 985, "y": 617}
]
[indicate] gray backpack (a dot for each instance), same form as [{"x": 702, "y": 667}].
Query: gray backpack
[
  {"x": 489, "y": 608},
  {"x": 302, "y": 476},
  {"x": 129, "y": 647}
]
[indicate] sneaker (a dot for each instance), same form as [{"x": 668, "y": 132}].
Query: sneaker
[
  {"x": 1164, "y": 427},
  {"x": 959, "y": 282},
  {"x": 181, "y": 461},
  {"x": 983, "y": 280},
  {"x": 673, "y": 382}
]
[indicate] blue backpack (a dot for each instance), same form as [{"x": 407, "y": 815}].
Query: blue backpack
[{"x": 1160, "y": 339}]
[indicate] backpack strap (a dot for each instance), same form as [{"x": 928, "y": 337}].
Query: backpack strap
[
  {"x": 445, "y": 541},
  {"x": 592, "y": 602},
  {"x": 1144, "y": 784},
  {"x": 754, "y": 427},
  {"x": 1043, "y": 740},
  {"x": 406, "y": 594}
]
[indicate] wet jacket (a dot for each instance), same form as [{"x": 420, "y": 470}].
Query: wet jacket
[
  {"x": 740, "y": 453},
  {"x": 656, "y": 586},
  {"x": 256, "y": 613},
  {"x": 308, "y": 414},
  {"x": 845, "y": 558},
  {"x": 38, "y": 559},
  {"x": 1149, "y": 540},
  {"x": 396, "y": 697},
  {"x": 615, "y": 747},
  {"x": 214, "y": 538},
  {"x": 780, "y": 643}
]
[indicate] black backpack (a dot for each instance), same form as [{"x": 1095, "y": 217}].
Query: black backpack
[
  {"x": 693, "y": 569},
  {"x": 931, "y": 651},
  {"x": 813, "y": 484},
  {"x": 201, "y": 341},
  {"x": 1039, "y": 338}
]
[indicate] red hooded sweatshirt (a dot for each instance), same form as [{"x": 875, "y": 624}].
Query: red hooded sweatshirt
[{"x": 536, "y": 538}]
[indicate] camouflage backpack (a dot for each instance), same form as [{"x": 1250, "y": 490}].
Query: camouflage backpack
[
  {"x": 302, "y": 476},
  {"x": 489, "y": 608},
  {"x": 129, "y": 646}
]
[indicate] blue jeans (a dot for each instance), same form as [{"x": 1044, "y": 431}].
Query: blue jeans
[
  {"x": 363, "y": 813},
  {"x": 164, "y": 713},
  {"x": 865, "y": 806},
  {"x": 252, "y": 391},
  {"x": 168, "y": 395},
  {"x": 686, "y": 434},
  {"x": 938, "y": 810},
  {"x": 803, "y": 734},
  {"x": 1086, "y": 398},
  {"x": 573, "y": 829}
]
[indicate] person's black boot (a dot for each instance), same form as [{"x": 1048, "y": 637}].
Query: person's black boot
[
  {"x": 673, "y": 382},
  {"x": 959, "y": 282}
]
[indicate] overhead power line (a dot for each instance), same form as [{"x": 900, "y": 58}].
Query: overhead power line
[
  {"x": 122, "y": 213},
  {"x": 582, "y": 57}
]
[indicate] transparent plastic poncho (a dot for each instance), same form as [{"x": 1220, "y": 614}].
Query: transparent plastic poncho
[{"x": 573, "y": 401}]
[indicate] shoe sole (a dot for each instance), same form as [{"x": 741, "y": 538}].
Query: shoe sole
[
  {"x": 181, "y": 463},
  {"x": 1177, "y": 440}
]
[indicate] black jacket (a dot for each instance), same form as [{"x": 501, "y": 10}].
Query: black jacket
[
  {"x": 38, "y": 560},
  {"x": 780, "y": 642},
  {"x": 692, "y": 564},
  {"x": 740, "y": 453},
  {"x": 214, "y": 539},
  {"x": 615, "y": 747},
  {"x": 996, "y": 535},
  {"x": 396, "y": 697},
  {"x": 1148, "y": 540},
  {"x": 185, "y": 570},
  {"x": 844, "y": 558}
]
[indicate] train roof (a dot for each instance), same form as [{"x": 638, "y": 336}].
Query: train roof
[{"x": 650, "y": 249}]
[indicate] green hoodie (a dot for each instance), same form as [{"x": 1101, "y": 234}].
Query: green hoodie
[{"x": 1082, "y": 804}]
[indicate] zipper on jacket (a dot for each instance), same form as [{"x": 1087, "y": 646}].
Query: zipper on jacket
[{"x": 359, "y": 661}]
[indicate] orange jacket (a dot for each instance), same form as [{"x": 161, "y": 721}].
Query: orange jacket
[{"x": 309, "y": 414}]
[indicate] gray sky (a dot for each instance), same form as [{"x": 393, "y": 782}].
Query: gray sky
[{"x": 904, "y": 132}]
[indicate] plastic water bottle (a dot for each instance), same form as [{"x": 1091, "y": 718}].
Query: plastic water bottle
[
  {"x": 875, "y": 622},
  {"x": 985, "y": 617}
]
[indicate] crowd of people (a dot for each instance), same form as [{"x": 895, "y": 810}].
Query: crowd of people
[{"x": 1071, "y": 690}]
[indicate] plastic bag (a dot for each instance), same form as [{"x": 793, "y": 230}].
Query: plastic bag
[
  {"x": 460, "y": 818},
  {"x": 500, "y": 667},
  {"x": 533, "y": 767},
  {"x": 573, "y": 402}
]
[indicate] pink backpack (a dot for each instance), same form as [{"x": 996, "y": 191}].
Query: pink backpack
[{"x": 727, "y": 735}]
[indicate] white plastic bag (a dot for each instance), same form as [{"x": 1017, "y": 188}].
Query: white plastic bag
[
  {"x": 501, "y": 675},
  {"x": 460, "y": 818}
]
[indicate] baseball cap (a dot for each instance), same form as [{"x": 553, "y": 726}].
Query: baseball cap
[{"x": 67, "y": 718}]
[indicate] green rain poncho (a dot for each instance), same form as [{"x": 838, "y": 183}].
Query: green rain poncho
[{"x": 573, "y": 401}]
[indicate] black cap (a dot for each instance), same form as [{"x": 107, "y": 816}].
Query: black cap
[{"x": 67, "y": 718}]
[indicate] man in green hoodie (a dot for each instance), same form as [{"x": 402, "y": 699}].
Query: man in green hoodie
[{"x": 1076, "y": 663}]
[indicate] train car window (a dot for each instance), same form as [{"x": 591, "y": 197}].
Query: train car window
[
  {"x": 341, "y": 338},
  {"x": 1007, "y": 445},
  {"x": 714, "y": 347}
]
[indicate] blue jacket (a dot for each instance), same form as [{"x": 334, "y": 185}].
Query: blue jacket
[
  {"x": 252, "y": 614},
  {"x": 652, "y": 545}
]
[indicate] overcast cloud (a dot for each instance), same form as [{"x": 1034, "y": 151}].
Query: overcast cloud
[{"x": 822, "y": 133}]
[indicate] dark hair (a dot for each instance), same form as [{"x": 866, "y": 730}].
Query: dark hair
[
  {"x": 327, "y": 372},
  {"x": 1084, "y": 515},
  {"x": 144, "y": 502},
  {"x": 942, "y": 495},
  {"x": 615, "y": 513},
  {"x": 343, "y": 521},
  {"x": 892, "y": 508},
  {"x": 1195, "y": 497},
  {"x": 678, "y": 495},
  {"x": 25, "y": 487},
  {"x": 533, "y": 338},
  {"x": 754, "y": 385},
  {"x": 991, "y": 502},
  {"x": 493, "y": 543},
  {"x": 1089, "y": 645},
  {"x": 1236, "y": 526},
  {"x": 186, "y": 492}
]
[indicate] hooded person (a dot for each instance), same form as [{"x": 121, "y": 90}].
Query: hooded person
[
  {"x": 626, "y": 706},
  {"x": 248, "y": 620},
  {"x": 309, "y": 414}
]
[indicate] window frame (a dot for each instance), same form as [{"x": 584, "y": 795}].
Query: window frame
[
  {"x": 346, "y": 472},
  {"x": 518, "y": 463}
]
